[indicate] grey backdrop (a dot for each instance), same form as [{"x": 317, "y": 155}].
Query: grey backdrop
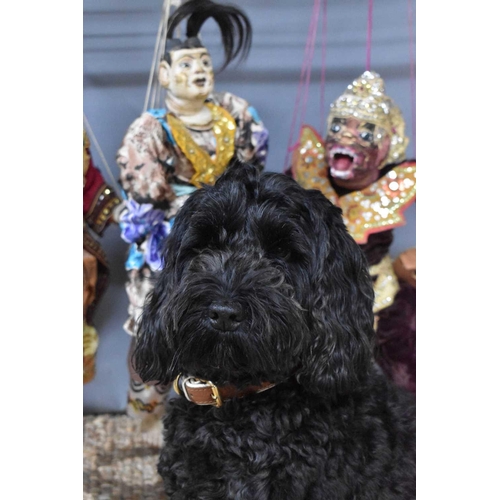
[{"x": 118, "y": 44}]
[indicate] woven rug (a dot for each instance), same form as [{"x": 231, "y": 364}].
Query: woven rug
[{"x": 119, "y": 460}]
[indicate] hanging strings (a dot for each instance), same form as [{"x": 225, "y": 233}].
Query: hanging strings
[
  {"x": 412, "y": 76},
  {"x": 93, "y": 141},
  {"x": 412, "y": 59},
  {"x": 309, "y": 62},
  {"x": 154, "y": 92},
  {"x": 369, "y": 35},
  {"x": 152, "y": 71},
  {"x": 322, "y": 106},
  {"x": 304, "y": 80}
]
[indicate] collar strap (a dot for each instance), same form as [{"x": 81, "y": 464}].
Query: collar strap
[{"x": 204, "y": 392}]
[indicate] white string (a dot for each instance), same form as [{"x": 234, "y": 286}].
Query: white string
[
  {"x": 153, "y": 66},
  {"x": 159, "y": 47},
  {"x": 158, "y": 56},
  {"x": 94, "y": 143}
]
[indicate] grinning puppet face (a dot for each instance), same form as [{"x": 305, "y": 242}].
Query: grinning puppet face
[{"x": 356, "y": 149}]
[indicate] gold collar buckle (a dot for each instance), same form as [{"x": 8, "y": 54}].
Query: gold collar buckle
[
  {"x": 180, "y": 382},
  {"x": 215, "y": 393}
]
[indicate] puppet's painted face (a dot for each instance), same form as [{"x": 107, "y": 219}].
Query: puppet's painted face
[
  {"x": 191, "y": 73},
  {"x": 355, "y": 150}
]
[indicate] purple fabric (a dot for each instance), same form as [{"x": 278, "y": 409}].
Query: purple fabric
[
  {"x": 138, "y": 220},
  {"x": 396, "y": 338}
]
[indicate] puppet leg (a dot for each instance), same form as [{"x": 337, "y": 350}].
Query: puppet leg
[
  {"x": 90, "y": 338},
  {"x": 144, "y": 401}
]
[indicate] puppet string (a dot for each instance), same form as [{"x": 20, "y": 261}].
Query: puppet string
[
  {"x": 309, "y": 68},
  {"x": 369, "y": 34},
  {"x": 323, "y": 71},
  {"x": 412, "y": 75},
  {"x": 306, "y": 63},
  {"x": 160, "y": 37}
]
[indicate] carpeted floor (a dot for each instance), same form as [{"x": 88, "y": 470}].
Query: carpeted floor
[{"x": 119, "y": 460}]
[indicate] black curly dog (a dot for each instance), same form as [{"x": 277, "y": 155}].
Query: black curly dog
[{"x": 263, "y": 284}]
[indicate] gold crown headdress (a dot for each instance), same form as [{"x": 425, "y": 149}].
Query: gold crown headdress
[{"x": 364, "y": 99}]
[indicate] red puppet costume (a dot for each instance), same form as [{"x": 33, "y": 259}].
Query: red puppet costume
[{"x": 99, "y": 200}]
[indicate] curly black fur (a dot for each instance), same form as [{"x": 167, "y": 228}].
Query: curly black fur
[{"x": 333, "y": 427}]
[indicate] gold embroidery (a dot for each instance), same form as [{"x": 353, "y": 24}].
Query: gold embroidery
[
  {"x": 386, "y": 285},
  {"x": 376, "y": 208},
  {"x": 139, "y": 405},
  {"x": 206, "y": 169},
  {"x": 90, "y": 340},
  {"x": 86, "y": 156}
]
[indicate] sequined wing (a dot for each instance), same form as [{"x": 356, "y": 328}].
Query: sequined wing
[
  {"x": 380, "y": 206},
  {"x": 309, "y": 167}
]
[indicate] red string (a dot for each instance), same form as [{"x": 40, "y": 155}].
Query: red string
[
  {"x": 369, "y": 34},
  {"x": 412, "y": 75},
  {"x": 301, "y": 82},
  {"x": 304, "y": 76},
  {"x": 323, "y": 72},
  {"x": 309, "y": 68}
]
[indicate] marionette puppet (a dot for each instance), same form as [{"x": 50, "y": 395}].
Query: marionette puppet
[
  {"x": 360, "y": 166},
  {"x": 99, "y": 203},
  {"x": 168, "y": 153}
]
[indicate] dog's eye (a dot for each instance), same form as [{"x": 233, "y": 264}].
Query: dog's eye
[{"x": 280, "y": 249}]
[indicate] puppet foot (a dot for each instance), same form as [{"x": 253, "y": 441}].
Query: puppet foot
[{"x": 146, "y": 402}]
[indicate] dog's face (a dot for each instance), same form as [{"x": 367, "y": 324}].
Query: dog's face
[{"x": 261, "y": 282}]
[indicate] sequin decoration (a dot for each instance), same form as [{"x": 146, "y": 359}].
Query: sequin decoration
[
  {"x": 386, "y": 284},
  {"x": 376, "y": 208},
  {"x": 365, "y": 99},
  {"x": 206, "y": 169}
]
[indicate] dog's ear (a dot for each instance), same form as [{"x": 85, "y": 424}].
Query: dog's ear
[
  {"x": 340, "y": 306},
  {"x": 154, "y": 355}
]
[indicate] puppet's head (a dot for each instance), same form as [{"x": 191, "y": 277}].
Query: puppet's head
[
  {"x": 365, "y": 133},
  {"x": 186, "y": 70}
]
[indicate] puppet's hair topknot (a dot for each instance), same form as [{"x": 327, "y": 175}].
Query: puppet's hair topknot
[{"x": 235, "y": 27}]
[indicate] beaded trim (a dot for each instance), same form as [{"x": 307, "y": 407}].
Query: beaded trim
[
  {"x": 386, "y": 284},
  {"x": 206, "y": 169}
]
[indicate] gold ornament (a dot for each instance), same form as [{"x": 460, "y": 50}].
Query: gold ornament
[
  {"x": 90, "y": 343},
  {"x": 386, "y": 284},
  {"x": 206, "y": 169},
  {"x": 86, "y": 156},
  {"x": 364, "y": 99}
]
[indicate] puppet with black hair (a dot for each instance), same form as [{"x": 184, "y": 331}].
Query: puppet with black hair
[{"x": 168, "y": 153}]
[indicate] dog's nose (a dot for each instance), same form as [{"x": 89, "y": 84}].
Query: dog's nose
[{"x": 225, "y": 316}]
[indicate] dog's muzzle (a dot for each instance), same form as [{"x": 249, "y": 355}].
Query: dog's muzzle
[{"x": 204, "y": 392}]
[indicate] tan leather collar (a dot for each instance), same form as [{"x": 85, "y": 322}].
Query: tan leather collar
[{"x": 204, "y": 392}]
